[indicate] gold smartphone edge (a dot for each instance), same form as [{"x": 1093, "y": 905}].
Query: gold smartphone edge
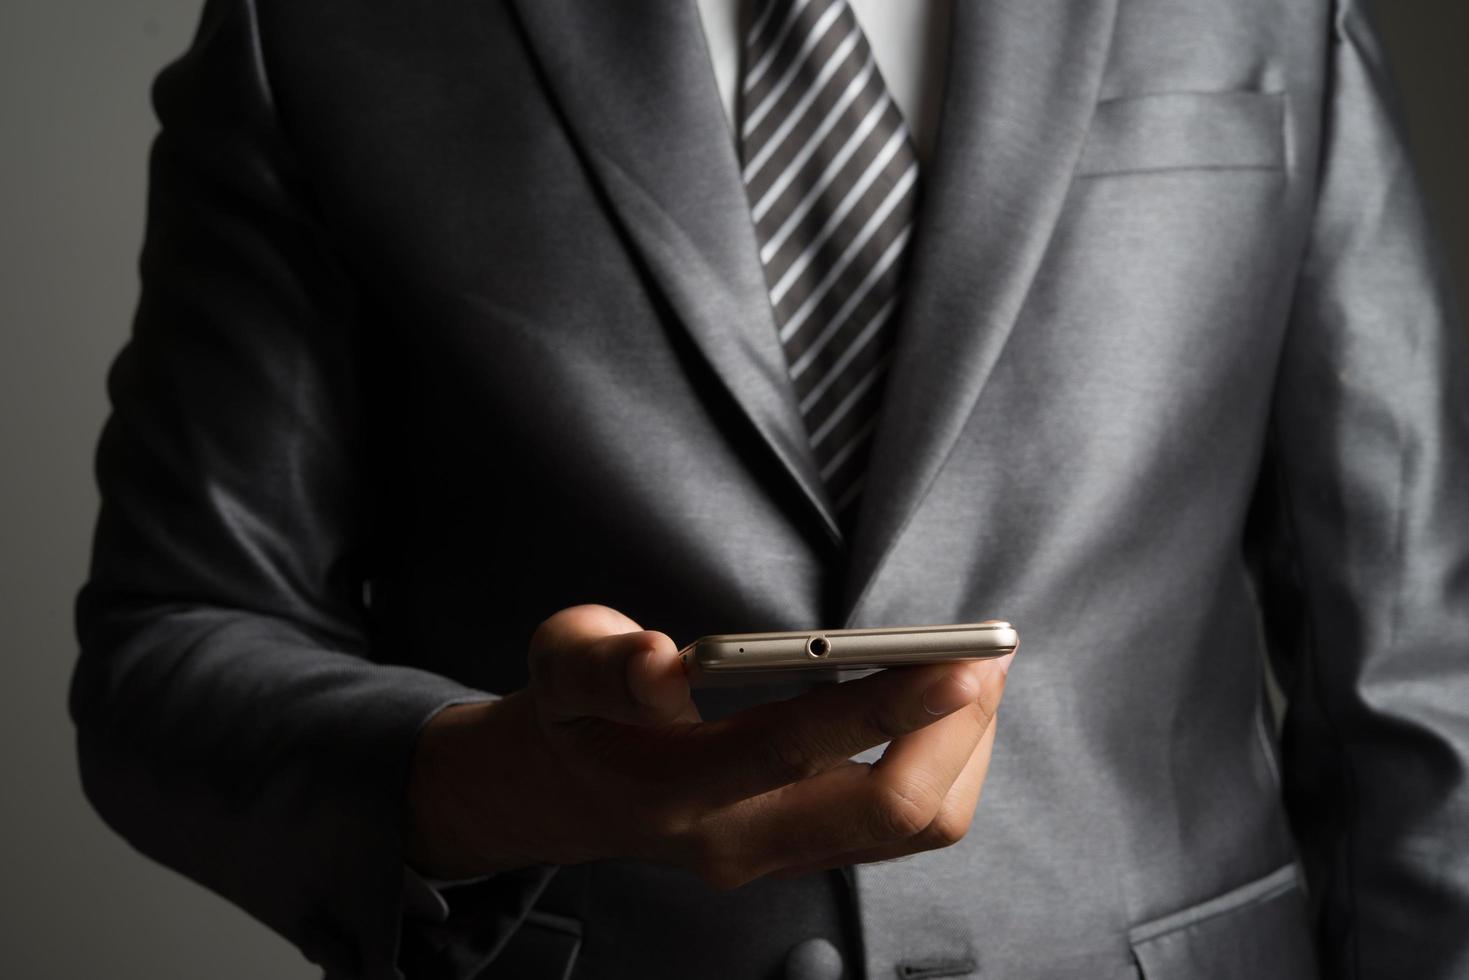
[{"x": 846, "y": 649}]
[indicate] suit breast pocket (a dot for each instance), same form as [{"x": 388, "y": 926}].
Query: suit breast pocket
[{"x": 1186, "y": 131}]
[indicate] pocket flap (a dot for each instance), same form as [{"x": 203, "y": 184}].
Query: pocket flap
[
  {"x": 1259, "y": 931},
  {"x": 1177, "y": 130}
]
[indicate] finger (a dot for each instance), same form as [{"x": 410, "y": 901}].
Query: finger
[
  {"x": 956, "y": 812},
  {"x": 852, "y": 807},
  {"x": 773, "y": 745},
  {"x": 594, "y": 662},
  {"x": 659, "y": 682},
  {"x": 948, "y": 827},
  {"x": 938, "y": 754}
]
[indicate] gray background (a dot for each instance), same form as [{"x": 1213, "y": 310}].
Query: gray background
[{"x": 75, "y": 122}]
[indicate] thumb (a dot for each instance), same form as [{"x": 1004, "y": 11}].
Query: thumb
[{"x": 594, "y": 662}]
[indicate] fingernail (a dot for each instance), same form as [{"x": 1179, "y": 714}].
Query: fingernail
[
  {"x": 1004, "y": 662},
  {"x": 946, "y": 696},
  {"x": 640, "y": 679}
]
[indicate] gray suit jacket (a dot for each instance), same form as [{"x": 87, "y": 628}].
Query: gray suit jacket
[{"x": 452, "y": 317}]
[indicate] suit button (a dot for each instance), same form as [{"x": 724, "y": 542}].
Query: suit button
[{"x": 814, "y": 959}]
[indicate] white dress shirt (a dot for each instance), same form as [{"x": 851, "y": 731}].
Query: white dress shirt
[{"x": 909, "y": 40}]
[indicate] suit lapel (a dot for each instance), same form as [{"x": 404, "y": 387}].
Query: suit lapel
[
  {"x": 1022, "y": 81},
  {"x": 634, "y": 83}
]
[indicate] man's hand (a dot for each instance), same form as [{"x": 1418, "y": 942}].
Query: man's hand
[{"x": 604, "y": 756}]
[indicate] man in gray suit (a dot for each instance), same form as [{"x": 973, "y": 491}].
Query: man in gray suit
[{"x": 476, "y": 338}]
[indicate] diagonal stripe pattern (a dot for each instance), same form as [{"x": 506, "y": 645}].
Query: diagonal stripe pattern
[{"x": 832, "y": 178}]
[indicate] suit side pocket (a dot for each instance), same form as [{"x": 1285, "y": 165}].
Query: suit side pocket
[{"x": 1258, "y": 931}]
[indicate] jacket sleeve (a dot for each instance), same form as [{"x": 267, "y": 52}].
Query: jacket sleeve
[
  {"x": 1369, "y": 456},
  {"x": 234, "y": 719}
]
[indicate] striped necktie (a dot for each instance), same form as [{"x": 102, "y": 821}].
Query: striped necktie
[{"x": 831, "y": 174}]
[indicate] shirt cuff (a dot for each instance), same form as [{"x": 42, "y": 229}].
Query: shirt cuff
[{"x": 423, "y": 897}]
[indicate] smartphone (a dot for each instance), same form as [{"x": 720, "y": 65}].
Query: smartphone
[{"x": 735, "y": 655}]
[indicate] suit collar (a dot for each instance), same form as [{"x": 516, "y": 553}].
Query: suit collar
[
  {"x": 635, "y": 85},
  {"x": 1022, "y": 81}
]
